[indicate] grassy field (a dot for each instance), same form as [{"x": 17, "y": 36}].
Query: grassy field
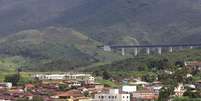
[{"x": 107, "y": 83}]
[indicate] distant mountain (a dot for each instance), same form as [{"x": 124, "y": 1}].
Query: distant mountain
[
  {"x": 108, "y": 21},
  {"x": 63, "y": 34}
]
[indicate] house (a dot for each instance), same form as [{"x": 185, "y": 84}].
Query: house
[
  {"x": 112, "y": 95},
  {"x": 193, "y": 65},
  {"x": 139, "y": 82},
  {"x": 28, "y": 87},
  {"x": 156, "y": 88},
  {"x": 129, "y": 89},
  {"x": 90, "y": 80},
  {"x": 99, "y": 86},
  {"x": 82, "y": 99},
  {"x": 144, "y": 95},
  {"x": 6, "y": 85},
  {"x": 75, "y": 84},
  {"x": 67, "y": 95},
  {"x": 198, "y": 84},
  {"x": 29, "y": 96}
]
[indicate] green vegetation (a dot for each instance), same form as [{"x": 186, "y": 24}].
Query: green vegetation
[
  {"x": 147, "y": 65},
  {"x": 14, "y": 79},
  {"x": 186, "y": 99},
  {"x": 50, "y": 49},
  {"x": 107, "y": 83},
  {"x": 20, "y": 78}
]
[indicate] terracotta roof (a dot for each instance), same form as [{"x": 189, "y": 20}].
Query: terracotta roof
[
  {"x": 29, "y": 86},
  {"x": 145, "y": 91},
  {"x": 28, "y": 94},
  {"x": 69, "y": 93}
]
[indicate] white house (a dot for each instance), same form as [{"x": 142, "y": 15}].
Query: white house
[
  {"x": 75, "y": 84},
  {"x": 112, "y": 95},
  {"x": 129, "y": 89},
  {"x": 7, "y": 85}
]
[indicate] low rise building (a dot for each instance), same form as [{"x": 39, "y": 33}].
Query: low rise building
[
  {"x": 66, "y": 76},
  {"x": 50, "y": 76},
  {"x": 112, "y": 95},
  {"x": 129, "y": 89},
  {"x": 6, "y": 85},
  {"x": 193, "y": 65},
  {"x": 144, "y": 95}
]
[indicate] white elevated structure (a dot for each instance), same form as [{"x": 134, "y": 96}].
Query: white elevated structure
[
  {"x": 112, "y": 95},
  {"x": 107, "y": 48}
]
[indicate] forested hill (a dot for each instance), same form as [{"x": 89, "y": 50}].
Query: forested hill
[
  {"x": 108, "y": 21},
  {"x": 63, "y": 34}
]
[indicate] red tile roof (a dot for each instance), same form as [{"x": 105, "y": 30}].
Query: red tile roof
[
  {"x": 29, "y": 86},
  {"x": 69, "y": 93}
]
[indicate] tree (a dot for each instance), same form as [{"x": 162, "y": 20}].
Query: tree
[
  {"x": 106, "y": 75},
  {"x": 163, "y": 64},
  {"x": 181, "y": 99},
  {"x": 63, "y": 87},
  {"x": 192, "y": 93},
  {"x": 14, "y": 79},
  {"x": 165, "y": 93},
  {"x": 86, "y": 94},
  {"x": 171, "y": 77},
  {"x": 179, "y": 63},
  {"x": 97, "y": 73},
  {"x": 149, "y": 77}
]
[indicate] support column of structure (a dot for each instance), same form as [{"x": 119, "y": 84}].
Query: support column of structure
[
  {"x": 123, "y": 52},
  {"x": 159, "y": 50},
  {"x": 170, "y": 49},
  {"x": 148, "y": 51},
  {"x": 136, "y": 51}
]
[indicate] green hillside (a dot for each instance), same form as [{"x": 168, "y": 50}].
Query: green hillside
[
  {"x": 54, "y": 49},
  {"x": 142, "y": 63}
]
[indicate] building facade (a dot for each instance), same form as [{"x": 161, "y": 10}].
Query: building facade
[
  {"x": 65, "y": 76},
  {"x": 112, "y": 95}
]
